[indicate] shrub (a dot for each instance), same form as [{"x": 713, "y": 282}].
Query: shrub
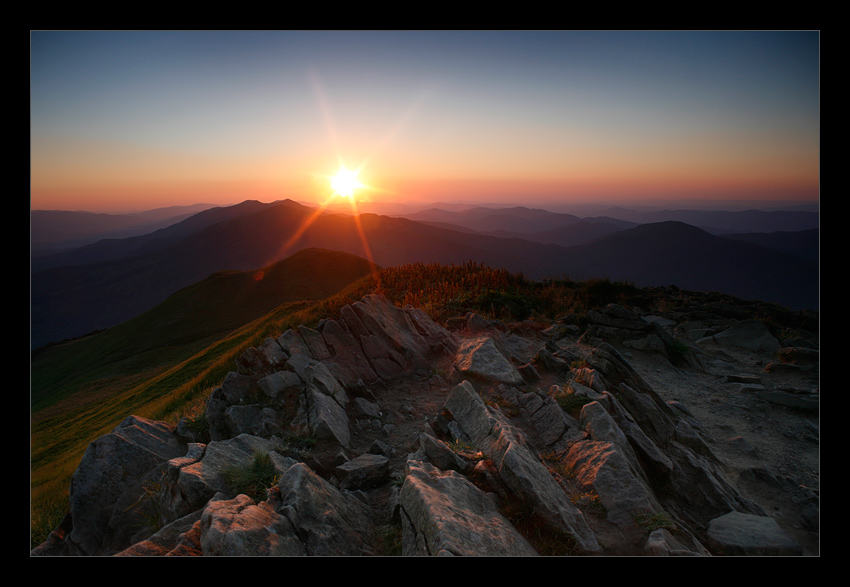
[
  {"x": 652, "y": 522},
  {"x": 572, "y": 403},
  {"x": 254, "y": 478}
]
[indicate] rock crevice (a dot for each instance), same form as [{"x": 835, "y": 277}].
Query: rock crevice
[{"x": 457, "y": 442}]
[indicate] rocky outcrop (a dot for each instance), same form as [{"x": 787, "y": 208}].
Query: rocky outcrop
[
  {"x": 477, "y": 440},
  {"x": 108, "y": 489}
]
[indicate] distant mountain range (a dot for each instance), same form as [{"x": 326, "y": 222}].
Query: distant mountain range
[
  {"x": 108, "y": 282},
  {"x": 56, "y": 230},
  {"x": 722, "y": 222}
]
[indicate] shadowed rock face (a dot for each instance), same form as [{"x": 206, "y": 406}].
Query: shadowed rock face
[{"x": 625, "y": 472}]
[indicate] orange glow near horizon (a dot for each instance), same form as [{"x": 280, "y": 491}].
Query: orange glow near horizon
[
  {"x": 532, "y": 118},
  {"x": 343, "y": 183}
]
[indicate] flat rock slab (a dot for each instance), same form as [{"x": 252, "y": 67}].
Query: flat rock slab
[
  {"x": 445, "y": 514},
  {"x": 739, "y": 534},
  {"x": 480, "y": 358}
]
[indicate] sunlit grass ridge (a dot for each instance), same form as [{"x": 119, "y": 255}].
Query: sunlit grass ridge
[{"x": 180, "y": 385}]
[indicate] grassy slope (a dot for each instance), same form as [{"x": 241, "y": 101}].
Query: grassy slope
[
  {"x": 165, "y": 387},
  {"x": 159, "y": 362}
]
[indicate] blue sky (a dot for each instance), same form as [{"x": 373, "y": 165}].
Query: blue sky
[{"x": 126, "y": 120}]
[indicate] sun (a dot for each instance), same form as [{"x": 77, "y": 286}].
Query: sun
[{"x": 345, "y": 182}]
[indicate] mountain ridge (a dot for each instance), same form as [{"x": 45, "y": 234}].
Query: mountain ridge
[
  {"x": 67, "y": 297},
  {"x": 209, "y": 308}
]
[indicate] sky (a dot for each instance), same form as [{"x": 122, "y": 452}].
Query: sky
[{"x": 126, "y": 121}]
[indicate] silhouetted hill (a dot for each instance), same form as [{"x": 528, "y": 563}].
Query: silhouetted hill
[
  {"x": 803, "y": 243},
  {"x": 723, "y": 222},
  {"x": 70, "y": 301},
  {"x": 55, "y": 230},
  {"x": 577, "y": 233},
  {"x": 206, "y": 310},
  {"x": 116, "y": 248},
  {"x": 517, "y": 219},
  {"x": 229, "y": 299},
  {"x": 675, "y": 253}
]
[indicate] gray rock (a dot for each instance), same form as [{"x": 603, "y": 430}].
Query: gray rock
[
  {"x": 443, "y": 513},
  {"x": 549, "y": 423},
  {"x": 751, "y": 335},
  {"x": 602, "y": 428},
  {"x": 315, "y": 342},
  {"x": 738, "y": 533},
  {"x": 182, "y": 537},
  {"x": 237, "y": 388},
  {"x": 662, "y": 543},
  {"x": 240, "y": 527},
  {"x": 108, "y": 488},
  {"x": 434, "y": 335},
  {"x": 328, "y": 521},
  {"x": 292, "y": 344},
  {"x": 519, "y": 468},
  {"x": 252, "y": 419},
  {"x": 263, "y": 359},
  {"x": 326, "y": 418},
  {"x": 348, "y": 363},
  {"x": 277, "y": 383},
  {"x": 363, "y": 408},
  {"x": 477, "y": 324},
  {"x": 790, "y": 400},
  {"x": 198, "y": 482},
  {"x": 479, "y": 358},
  {"x": 394, "y": 326},
  {"x": 439, "y": 453},
  {"x": 364, "y": 472}
]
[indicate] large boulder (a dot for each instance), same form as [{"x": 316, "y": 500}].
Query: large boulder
[
  {"x": 236, "y": 389},
  {"x": 364, "y": 472},
  {"x": 329, "y": 522},
  {"x": 109, "y": 487},
  {"x": 182, "y": 537},
  {"x": 480, "y": 358},
  {"x": 347, "y": 362},
  {"x": 393, "y": 325},
  {"x": 751, "y": 335},
  {"x": 601, "y": 467},
  {"x": 443, "y": 513},
  {"x": 326, "y": 418},
  {"x": 241, "y": 527},
  {"x": 738, "y": 533}
]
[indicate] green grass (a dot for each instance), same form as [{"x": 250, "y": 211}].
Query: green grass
[
  {"x": 163, "y": 364},
  {"x": 571, "y": 403},
  {"x": 160, "y": 365},
  {"x": 252, "y": 478},
  {"x": 652, "y": 522}
]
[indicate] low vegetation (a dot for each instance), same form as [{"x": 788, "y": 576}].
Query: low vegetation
[
  {"x": 82, "y": 389},
  {"x": 571, "y": 403},
  {"x": 652, "y": 522},
  {"x": 254, "y": 478}
]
